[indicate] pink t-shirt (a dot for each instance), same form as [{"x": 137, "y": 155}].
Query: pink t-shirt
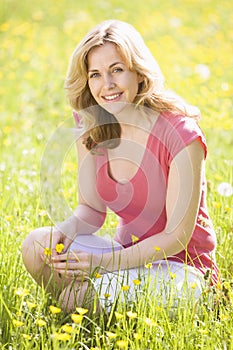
[{"x": 140, "y": 203}]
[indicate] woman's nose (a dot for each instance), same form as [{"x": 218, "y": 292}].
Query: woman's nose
[{"x": 109, "y": 81}]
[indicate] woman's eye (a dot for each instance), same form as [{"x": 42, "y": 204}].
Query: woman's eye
[
  {"x": 94, "y": 75},
  {"x": 117, "y": 69}
]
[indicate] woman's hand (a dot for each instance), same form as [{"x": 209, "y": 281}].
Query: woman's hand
[{"x": 76, "y": 264}]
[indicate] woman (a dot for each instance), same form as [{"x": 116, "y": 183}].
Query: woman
[{"x": 142, "y": 155}]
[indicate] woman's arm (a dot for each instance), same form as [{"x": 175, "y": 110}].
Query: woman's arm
[{"x": 90, "y": 213}]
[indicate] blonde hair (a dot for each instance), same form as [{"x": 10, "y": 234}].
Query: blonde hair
[{"x": 151, "y": 91}]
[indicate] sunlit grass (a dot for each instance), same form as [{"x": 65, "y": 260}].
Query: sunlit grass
[{"x": 192, "y": 41}]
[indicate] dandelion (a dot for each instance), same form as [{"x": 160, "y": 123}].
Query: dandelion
[
  {"x": 203, "y": 71},
  {"x": 134, "y": 238},
  {"x": 21, "y": 292},
  {"x": 131, "y": 314},
  {"x": 67, "y": 328},
  {"x": 118, "y": 315},
  {"x": 40, "y": 322},
  {"x": 216, "y": 205},
  {"x": 157, "y": 249},
  {"x": 172, "y": 275},
  {"x": 81, "y": 310},
  {"x": 30, "y": 304},
  {"x": 9, "y": 217},
  {"x": 17, "y": 323},
  {"x": 122, "y": 344},
  {"x": 225, "y": 189},
  {"x": 47, "y": 252},
  {"x": 59, "y": 247},
  {"x": 148, "y": 265},
  {"x": 27, "y": 336},
  {"x": 61, "y": 336},
  {"x": 224, "y": 317},
  {"x": 107, "y": 295},
  {"x": 227, "y": 208},
  {"x": 137, "y": 336},
  {"x": 136, "y": 282},
  {"x": 111, "y": 335},
  {"x": 54, "y": 310},
  {"x": 125, "y": 288},
  {"x": 193, "y": 285},
  {"x": 98, "y": 275},
  {"x": 77, "y": 318}
]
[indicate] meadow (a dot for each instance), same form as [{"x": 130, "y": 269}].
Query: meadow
[{"x": 192, "y": 42}]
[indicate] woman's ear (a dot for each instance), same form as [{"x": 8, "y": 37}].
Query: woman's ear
[{"x": 140, "y": 78}]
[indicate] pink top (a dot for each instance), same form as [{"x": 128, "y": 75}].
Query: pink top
[{"x": 140, "y": 203}]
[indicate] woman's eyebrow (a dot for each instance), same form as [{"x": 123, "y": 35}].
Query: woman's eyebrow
[{"x": 111, "y": 65}]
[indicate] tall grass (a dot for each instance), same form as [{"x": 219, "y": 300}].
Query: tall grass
[{"x": 192, "y": 41}]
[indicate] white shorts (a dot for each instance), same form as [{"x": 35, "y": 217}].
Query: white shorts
[{"x": 164, "y": 280}]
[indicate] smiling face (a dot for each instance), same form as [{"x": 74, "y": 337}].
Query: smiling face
[{"x": 111, "y": 82}]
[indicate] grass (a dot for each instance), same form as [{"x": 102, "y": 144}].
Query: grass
[{"x": 36, "y": 42}]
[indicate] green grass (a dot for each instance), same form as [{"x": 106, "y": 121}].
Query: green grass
[{"x": 37, "y": 39}]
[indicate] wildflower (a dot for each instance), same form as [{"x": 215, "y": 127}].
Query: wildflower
[
  {"x": 118, "y": 315},
  {"x": 107, "y": 295},
  {"x": 203, "y": 331},
  {"x": 67, "y": 328},
  {"x": 54, "y": 309},
  {"x": 26, "y": 336},
  {"x": 21, "y": 292},
  {"x": 134, "y": 238},
  {"x": 172, "y": 275},
  {"x": 150, "y": 322},
  {"x": 9, "y": 217},
  {"x": 17, "y": 323},
  {"x": 81, "y": 310},
  {"x": 42, "y": 212},
  {"x": 77, "y": 318},
  {"x": 30, "y": 305},
  {"x": 59, "y": 247},
  {"x": 98, "y": 275},
  {"x": 122, "y": 344},
  {"x": 227, "y": 208},
  {"x": 131, "y": 314},
  {"x": 137, "y": 336},
  {"x": 47, "y": 251},
  {"x": 61, "y": 336},
  {"x": 216, "y": 205},
  {"x": 125, "y": 288},
  {"x": 224, "y": 317},
  {"x": 193, "y": 285},
  {"x": 40, "y": 322},
  {"x": 111, "y": 335},
  {"x": 136, "y": 282},
  {"x": 95, "y": 348},
  {"x": 148, "y": 265},
  {"x": 157, "y": 249}
]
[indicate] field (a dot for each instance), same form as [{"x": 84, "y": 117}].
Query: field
[{"x": 192, "y": 42}]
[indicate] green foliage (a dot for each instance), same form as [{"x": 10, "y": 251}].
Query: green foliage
[{"x": 192, "y": 41}]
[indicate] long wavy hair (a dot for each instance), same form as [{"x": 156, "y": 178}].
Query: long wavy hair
[{"x": 151, "y": 92}]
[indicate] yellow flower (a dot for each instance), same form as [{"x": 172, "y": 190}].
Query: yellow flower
[
  {"x": 118, "y": 315},
  {"x": 193, "y": 285},
  {"x": 150, "y": 322},
  {"x": 136, "y": 282},
  {"x": 30, "y": 305},
  {"x": 17, "y": 323},
  {"x": 81, "y": 310},
  {"x": 107, "y": 295},
  {"x": 224, "y": 317},
  {"x": 122, "y": 344},
  {"x": 54, "y": 309},
  {"x": 26, "y": 336},
  {"x": 62, "y": 336},
  {"x": 98, "y": 275},
  {"x": 40, "y": 322},
  {"x": 134, "y": 238},
  {"x": 95, "y": 348},
  {"x": 157, "y": 249},
  {"x": 137, "y": 336},
  {"x": 67, "y": 328},
  {"x": 21, "y": 292},
  {"x": 59, "y": 247},
  {"x": 131, "y": 314},
  {"x": 42, "y": 212},
  {"x": 111, "y": 335},
  {"x": 172, "y": 275},
  {"x": 216, "y": 205},
  {"x": 77, "y": 318},
  {"x": 47, "y": 251},
  {"x": 125, "y": 288},
  {"x": 148, "y": 265}
]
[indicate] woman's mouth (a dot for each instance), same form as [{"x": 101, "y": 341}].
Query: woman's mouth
[{"x": 113, "y": 97}]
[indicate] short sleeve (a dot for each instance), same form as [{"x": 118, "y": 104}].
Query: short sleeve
[{"x": 180, "y": 132}]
